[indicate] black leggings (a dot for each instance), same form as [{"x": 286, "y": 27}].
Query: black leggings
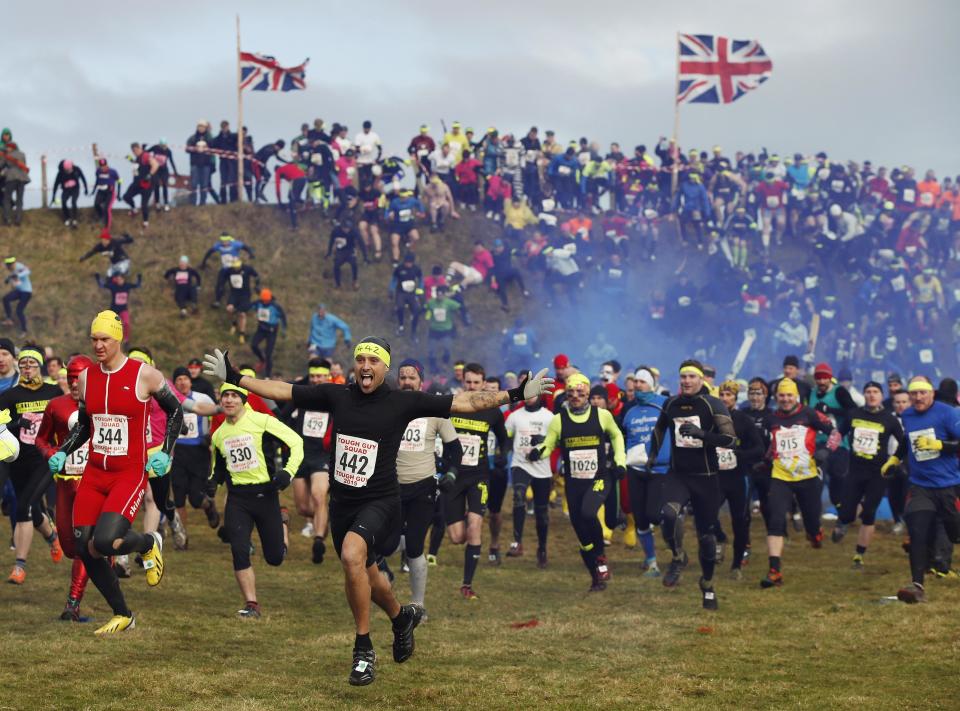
[
  {"x": 504, "y": 277},
  {"x": 338, "y": 263},
  {"x": 160, "y": 186},
  {"x": 417, "y": 503},
  {"x": 865, "y": 486},
  {"x": 541, "y": 504},
  {"x": 496, "y": 489},
  {"x": 29, "y": 482},
  {"x": 734, "y": 487},
  {"x": 110, "y": 527},
  {"x": 927, "y": 509},
  {"x": 646, "y": 497},
  {"x": 21, "y": 298},
  {"x": 144, "y": 192},
  {"x": 780, "y": 502},
  {"x": 703, "y": 493},
  {"x": 584, "y": 498},
  {"x": 68, "y": 205},
  {"x": 103, "y": 206},
  {"x": 189, "y": 475},
  {"x": 438, "y": 527},
  {"x": 160, "y": 488},
  {"x": 246, "y": 509},
  {"x": 897, "y": 494},
  {"x": 266, "y": 356}
]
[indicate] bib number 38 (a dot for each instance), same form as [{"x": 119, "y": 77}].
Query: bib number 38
[{"x": 356, "y": 458}]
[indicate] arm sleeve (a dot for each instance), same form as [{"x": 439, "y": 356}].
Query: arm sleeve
[
  {"x": 751, "y": 446},
  {"x": 616, "y": 437},
  {"x": 724, "y": 436},
  {"x": 218, "y": 468},
  {"x": 83, "y": 179},
  {"x": 80, "y": 432},
  {"x": 210, "y": 252},
  {"x": 845, "y": 399},
  {"x": 656, "y": 437},
  {"x": 427, "y": 405},
  {"x": 289, "y": 438},
  {"x": 317, "y": 397},
  {"x": 170, "y": 404},
  {"x": 500, "y": 432},
  {"x": 552, "y": 438},
  {"x": 452, "y": 454},
  {"x": 45, "y": 433}
]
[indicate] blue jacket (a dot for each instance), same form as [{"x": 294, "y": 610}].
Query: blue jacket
[
  {"x": 269, "y": 315},
  {"x": 932, "y": 469},
  {"x": 323, "y": 331},
  {"x": 693, "y": 196},
  {"x": 404, "y": 210},
  {"x": 638, "y": 424},
  {"x": 562, "y": 161},
  {"x": 519, "y": 342}
]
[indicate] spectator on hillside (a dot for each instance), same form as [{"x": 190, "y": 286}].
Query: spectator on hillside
[
  {"x": 15, "y": 175},
  {"x": 164, "y": 156},
  {"x": 201, "y": 164},
  {"x": 227, "y": 146},
  {"x": 323, "y": 332}
]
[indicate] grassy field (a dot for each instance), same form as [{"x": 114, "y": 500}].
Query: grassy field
[{"x": 824, "y": 640}]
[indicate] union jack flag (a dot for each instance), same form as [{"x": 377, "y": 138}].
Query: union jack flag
[
  {"x": 260, "y": 72},
  {"x": 719, "y": 70}
]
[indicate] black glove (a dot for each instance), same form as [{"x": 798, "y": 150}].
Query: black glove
[
  {"x": 534, "y": 454},
  {"x": 688, "y": 429},
  {"x": 281, "y": 479},
  {"x": 447, "y": 482},
  {"x": 536, "y": 440},
  {"x": 619, "y": 472}
]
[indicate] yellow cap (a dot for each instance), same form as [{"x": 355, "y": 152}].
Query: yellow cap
[
  {"x": 109, "y": 324},
  {"x": 731, "y": 386},
  {"x": 227, "y": 387},
  {"x": 788, "y": 386},
  {"x": 31, "y": 353},
  {"x": 577, "y": 380}
]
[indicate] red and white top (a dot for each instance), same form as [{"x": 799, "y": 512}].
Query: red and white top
[{"x": 118, "y": 418}]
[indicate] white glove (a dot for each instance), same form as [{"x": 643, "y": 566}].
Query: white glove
[
  {"x": 539, "y": 384},
  {"x": 219, "y": 366}
]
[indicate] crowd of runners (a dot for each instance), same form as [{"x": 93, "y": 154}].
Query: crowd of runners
[{"x": 387, "y": 455}]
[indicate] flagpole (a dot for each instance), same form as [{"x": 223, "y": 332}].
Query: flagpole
[
  {"x": 676, "y": 124},
  {"x": 239, "y": 119}
]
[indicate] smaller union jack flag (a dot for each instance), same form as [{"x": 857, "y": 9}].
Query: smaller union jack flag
[
  {"x": 719, "y": 70},
  {"x": 260, "y": 72}
]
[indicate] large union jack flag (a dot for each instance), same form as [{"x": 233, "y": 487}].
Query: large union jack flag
[
  {"x": 719, "y": 70},
  {"x": 260, "y": 72}
]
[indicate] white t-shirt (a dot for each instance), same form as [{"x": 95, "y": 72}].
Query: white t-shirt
[
  {"x": 366, "y": 147},
  {"x": 442, "y": 164},
  {"x": 521, "y": 425}
]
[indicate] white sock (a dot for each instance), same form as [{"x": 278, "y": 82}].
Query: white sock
[{"x": 418, "y": 577}]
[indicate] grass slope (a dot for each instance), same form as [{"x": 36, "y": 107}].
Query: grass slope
[{"x": 822, "y": 641}]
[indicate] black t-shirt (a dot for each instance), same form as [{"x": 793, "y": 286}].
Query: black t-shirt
[
  {"x": 26, "y": 412},
  {"x": 366, "y": 434},
  {"x": 473, "y": 430}
]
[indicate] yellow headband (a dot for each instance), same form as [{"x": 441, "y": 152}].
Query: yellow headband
[
  {"x": 787, "y": 385},
  {"x": 62, "y": 373},
  {"x": 31, "y": 353},
  {"x": 140, "y": 356},
  {"x": 249, "y": 372},
  {"x": 578, "y": 380},
  {"x": 107, "y": 323},
  {"x": 691, "y": 370},
  {"x": 919, "y": 386},
  {"x": 319, "y": 370},
  {"x": 730, "y": 386},
  {"x": 227, "y": 387},
  {"x": 370, "y": 348}
]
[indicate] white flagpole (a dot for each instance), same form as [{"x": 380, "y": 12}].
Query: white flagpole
[
  {"x": 675, "y": 148},
  {"x": 239, "y": 119}
]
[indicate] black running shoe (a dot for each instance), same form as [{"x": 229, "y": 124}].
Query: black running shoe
[
  {"x": 213, "y": 516},
  {"x": 839, "y": 531},
  {"x": 672, "y": 576},
  {"x": 410, "y": 616},
  {"x": 709, "y": 596},
  {"x": 363, "y": 662},
  {"x": 319, "y": 548}
]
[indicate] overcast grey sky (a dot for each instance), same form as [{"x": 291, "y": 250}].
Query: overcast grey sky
[{"x": 857, "y": 79}]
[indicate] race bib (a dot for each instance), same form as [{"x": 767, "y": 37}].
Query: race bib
[
  {"x": 926, "y": 356},
  {"x": 110, "y": 435},
  {"x": 182, "y": 277},
  {"x": 339, "y": 243},
  {"x": 357, "y": 458},
  {"x": 686, "y": 442},
  {"x": 726, "y": 458},
  {"x": 811, "y": 282},
  {"x": 791, "y": 441},
  {"x": 614, "y": 273},
  {"x": 837, "y": 185},
  {"x": 520, "y": 339},
  {"x": 315, "y": 423},
  {"x": 351, "y": 171},
  {"x": 408, "y": 285},
  {"x": 564, "y": 170},
  {"x": 192, "y": 425},
  {"x": 415, "y": 436},
  {"x": 241, "y": 453},
  {"x": 70, "y": 184},
  {"x": 922, "y": 455},
  {"x": 405, "y": 215},
  {"x": 226, "y": 260},
  {"x": 440, "y": 313},
  {"x": 524, "y": 441},
  {"x": 76, "y": 462},
  {"x": 926, "y": 199},
  {"x": 236, "y": 281},
  {"x": 121, "y": 298},
  {"x": 471, "y": 449},
  {"x": 584, "y": 463},
  {"x": 29, "y": 426},
  {"x": 909, "y": 195},
  {"x": 263, "y": 314},
  {"x": 898, "y": 283},
  {"x": 865, "y": 441},
  {"x": 773, "y": 202}
]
